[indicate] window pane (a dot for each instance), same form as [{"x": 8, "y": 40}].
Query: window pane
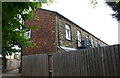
[
  {"x": 87, "y": 39},
  {"x": 68, "y": 32},
  {"x": 92, "y": 42},
  {"x": 27, "y": 34},
  {"x": 79, "y": 35}
]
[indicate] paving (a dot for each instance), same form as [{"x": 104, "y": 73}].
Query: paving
[{"x": 11, "y": 74}]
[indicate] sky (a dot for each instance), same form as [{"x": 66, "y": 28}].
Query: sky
[{"x": 97, "y": 21}]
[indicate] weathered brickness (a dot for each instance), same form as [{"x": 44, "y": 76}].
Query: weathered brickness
[{"x": 50, "y": 36}]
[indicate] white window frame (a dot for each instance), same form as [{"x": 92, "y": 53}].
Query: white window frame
[
  {"x": 92, "y": 42},
  {"x": 87, "y": 39},
  {"x": 27, "y": 34},
  {"x": 78, "y": 38},
  {"x": 68, "y": 32}
]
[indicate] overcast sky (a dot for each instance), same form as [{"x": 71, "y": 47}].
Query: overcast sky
[{"x": 95, "y": 20}]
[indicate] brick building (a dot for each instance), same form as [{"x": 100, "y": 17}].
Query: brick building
[{"x": 57, "y": 33}]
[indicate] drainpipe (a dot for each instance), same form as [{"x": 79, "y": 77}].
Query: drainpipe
[
  {"x": 59, "y": 35},
  {"x": 58, "y": 32}
]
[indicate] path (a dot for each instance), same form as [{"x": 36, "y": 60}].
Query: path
[{"x": 11, "y": 74}]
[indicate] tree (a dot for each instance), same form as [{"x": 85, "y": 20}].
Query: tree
[
  {"x": 12, "y": 28},
  {"x": 116, "y": 7}
]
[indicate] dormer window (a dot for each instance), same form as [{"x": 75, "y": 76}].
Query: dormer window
[{"x": 68, "y": 32}]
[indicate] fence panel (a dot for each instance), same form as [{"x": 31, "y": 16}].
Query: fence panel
[
  {"x": 35, "y": 65},
  {"x": 101, "y": 61}
]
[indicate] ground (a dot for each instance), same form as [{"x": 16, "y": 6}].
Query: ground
[{"x": 11, "y": 74}]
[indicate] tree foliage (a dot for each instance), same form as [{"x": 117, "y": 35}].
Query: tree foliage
[
  {"x": 93, "y": 3},
  {"x": 12, "y": 28},
  {"x": 116, "y": 7}
]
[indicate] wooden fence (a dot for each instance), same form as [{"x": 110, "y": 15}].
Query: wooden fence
[
  {"x": 102, "y": 61},
  {"x": 0, "y": 66}
]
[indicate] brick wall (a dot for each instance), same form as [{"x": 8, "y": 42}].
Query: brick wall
[
  {"x": 61, "y": 21},
  {"x": 44, "y": 35},
  {"x": 62, "y": 34}
]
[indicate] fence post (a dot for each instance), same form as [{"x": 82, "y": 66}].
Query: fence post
[{"x": 50, "y": 65}]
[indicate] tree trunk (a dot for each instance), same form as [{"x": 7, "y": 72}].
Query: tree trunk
[{"x": 4, "y": 63}]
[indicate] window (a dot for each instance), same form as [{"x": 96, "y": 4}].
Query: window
[
  {"x": 96, "y": 44},
  {"x": 92, "y": 42},
  {"x": 27, "y": 34},
  {"x": 87, "y": 39},
  {"x": 68, "y": 32},
  {"x": 20, "y": 19},
  {"x": 78, "y": 38}
]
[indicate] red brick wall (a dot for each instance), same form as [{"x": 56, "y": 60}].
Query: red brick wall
[{"x": 44, "y": 35}]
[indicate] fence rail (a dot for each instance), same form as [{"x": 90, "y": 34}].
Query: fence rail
[{"x": 101, "y": 61}]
